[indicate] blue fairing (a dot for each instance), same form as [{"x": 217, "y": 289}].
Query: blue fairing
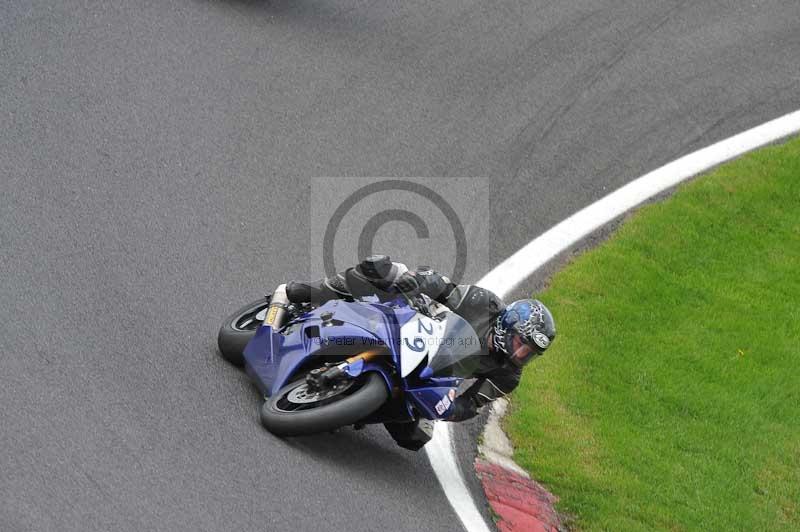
[
  {"x": 274, "y": 358},
  {"x": 426, "y": 399}
]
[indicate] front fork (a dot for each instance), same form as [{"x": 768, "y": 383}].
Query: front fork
[{"x": 321, "y": 378}]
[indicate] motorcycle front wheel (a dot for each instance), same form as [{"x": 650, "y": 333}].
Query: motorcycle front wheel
[{"x": 295, "y": 411}]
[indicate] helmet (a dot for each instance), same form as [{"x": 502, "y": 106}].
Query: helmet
[{"x": 523, "y": 331}]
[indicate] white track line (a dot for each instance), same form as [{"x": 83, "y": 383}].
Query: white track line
[
  {"x": 443, "y": 461},
  {"x": 519, "y": 266}
]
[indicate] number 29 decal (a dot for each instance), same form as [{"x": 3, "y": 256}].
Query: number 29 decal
[{"x": 419, "y": 342}]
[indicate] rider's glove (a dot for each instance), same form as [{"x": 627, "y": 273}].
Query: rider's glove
[
  {"x": 407, "y": 283},
  {"x": 431, "y": 283}
]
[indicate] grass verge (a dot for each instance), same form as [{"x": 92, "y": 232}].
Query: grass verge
[{"x": 671, "y": 398}]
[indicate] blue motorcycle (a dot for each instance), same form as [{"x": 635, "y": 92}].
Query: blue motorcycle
[{"x": 396, "y": 361}]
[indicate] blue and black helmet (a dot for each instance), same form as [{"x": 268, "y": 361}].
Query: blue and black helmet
[{"x": 523, "y": 331}]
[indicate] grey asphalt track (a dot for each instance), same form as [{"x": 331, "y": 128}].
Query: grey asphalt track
[{"x": 155, "y": 158}]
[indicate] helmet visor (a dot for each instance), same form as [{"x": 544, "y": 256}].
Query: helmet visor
[{"x": 521, "y": 353}]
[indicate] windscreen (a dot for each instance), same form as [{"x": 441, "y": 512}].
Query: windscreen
[{"x": 459, "y": 350}]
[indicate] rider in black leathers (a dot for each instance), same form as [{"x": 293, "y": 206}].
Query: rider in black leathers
[{"x": 511, "y": 335}]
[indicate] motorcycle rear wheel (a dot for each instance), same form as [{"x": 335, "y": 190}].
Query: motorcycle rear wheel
[
  {"x": 239, "y": 328},
  {"x": 290, "y": 412}
]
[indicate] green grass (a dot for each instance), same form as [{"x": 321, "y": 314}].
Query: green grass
[{"x": 671, "y": 398}]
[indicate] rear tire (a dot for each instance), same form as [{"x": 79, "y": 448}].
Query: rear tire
[
  {"x": 370, "y": 394},
  {"x": 238, "y": 329}
]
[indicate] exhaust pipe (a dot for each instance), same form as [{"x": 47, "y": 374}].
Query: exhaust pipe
[{"x": 276, "y": 315}]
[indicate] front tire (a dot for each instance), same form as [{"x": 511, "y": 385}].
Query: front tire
[
  {"x": 284, "y": 414},
  {"x": 239, "y": 328}
]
